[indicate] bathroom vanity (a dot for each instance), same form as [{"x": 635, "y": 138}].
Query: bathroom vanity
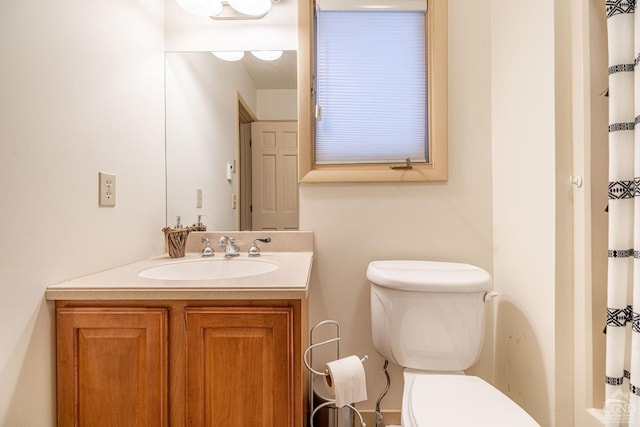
[{"x": 199, "y": 352}]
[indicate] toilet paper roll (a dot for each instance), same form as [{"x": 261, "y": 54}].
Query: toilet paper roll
[{"x": 346, "y": 380}]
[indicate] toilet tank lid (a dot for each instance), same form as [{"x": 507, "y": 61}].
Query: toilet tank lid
[{"x": 428, "y": 276}]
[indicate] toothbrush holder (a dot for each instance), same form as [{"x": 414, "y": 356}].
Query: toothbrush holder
[{"x": 175, "y": 241}]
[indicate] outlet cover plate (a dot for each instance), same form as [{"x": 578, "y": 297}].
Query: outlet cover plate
[
  {"x": 198, "y": 198},
  {"x": 107, "y": 189}
]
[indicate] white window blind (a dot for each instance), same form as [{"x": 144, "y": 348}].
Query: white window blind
[{"x": 371, "y": 87}]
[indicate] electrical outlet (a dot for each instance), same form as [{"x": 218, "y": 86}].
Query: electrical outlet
[
  {"x": 107, "y": 189},
  {"x": 230, "y": 171},
  {"x": 198, "y": 197}
]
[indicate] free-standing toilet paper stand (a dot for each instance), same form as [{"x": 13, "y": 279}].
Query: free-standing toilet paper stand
[{"x": 328, "y": 402}]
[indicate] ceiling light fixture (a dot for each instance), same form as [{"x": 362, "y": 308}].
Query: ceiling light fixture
[
  {"x": 251, "y": 7},
  {"x": 228, "y": 9},
  {"x": 267, "y": 55},
  {"x": 229, "y": 55},
  {"x": 201, "y": 7}
]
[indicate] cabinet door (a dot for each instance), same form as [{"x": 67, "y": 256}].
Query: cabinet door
[
  {"x": 112, "y": 367},
  {"x": 240, "y": 367}
]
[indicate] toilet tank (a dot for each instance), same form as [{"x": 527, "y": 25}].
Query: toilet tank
[{"x": 428, "y": 315}]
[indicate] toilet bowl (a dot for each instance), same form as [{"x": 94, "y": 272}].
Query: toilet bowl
[{"x": 428, "y": 317}]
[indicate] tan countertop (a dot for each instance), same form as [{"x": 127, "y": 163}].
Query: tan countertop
[{"x": 289, "y": 281}]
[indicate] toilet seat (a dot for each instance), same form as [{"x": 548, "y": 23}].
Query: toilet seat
[{"x": 461, "y": 400}]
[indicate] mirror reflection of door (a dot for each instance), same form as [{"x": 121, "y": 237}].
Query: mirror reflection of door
[
  {"x": 244, "y": 167},
  {"x": 267, "y": 172},
  {"x": 274, "y": 147}
]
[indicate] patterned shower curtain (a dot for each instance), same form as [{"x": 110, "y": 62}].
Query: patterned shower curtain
[{"x": 623, "y": 287}]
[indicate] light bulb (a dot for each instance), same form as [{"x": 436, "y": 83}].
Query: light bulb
[
  {"x": 201, "y": 7},
  {"x": 229, "y": 55},
  {"x": 267, "y": 55},
  {"x": 251, "y": 7}
]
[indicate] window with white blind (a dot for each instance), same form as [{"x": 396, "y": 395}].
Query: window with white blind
[
  {"x": 370, "y": 86},
  {"x": 378, "y": 110}
]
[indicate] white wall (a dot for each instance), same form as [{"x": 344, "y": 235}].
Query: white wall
[
  {"x": 598, "y": 164},
  {"x": 81, "y": 90},
  {"x": 506, "y": 206},
  {"x": 277, "y": 104},
  {"x": 524, "y": 201},
  {"x": 354, "y": 224},
  {"x": 79, "y": 94}
]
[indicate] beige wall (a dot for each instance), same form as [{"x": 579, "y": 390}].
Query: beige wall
[
  {"x": 81, "y": 90},
  {"x": 506, "y": 206},
  {"x": 354, "y": 224},
  {"x": 277, "y": 104},
  {"x": 79, "y": 94},
  {"x": 598, "y": 123},
  {"x": 532, "y": 204},
  {"x": 591, "y": 161},
  {"x": 523, "y": 134}
]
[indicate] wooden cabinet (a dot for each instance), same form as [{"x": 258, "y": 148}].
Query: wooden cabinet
[
  {"x": 112, "y": 366},
  {"x": 239, "y": 366},
  {"x": 181, "y": 363}
]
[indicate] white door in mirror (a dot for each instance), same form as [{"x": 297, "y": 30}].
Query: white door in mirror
[{"x": 274, "y": 148}]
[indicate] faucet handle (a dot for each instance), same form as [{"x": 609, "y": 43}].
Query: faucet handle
[
  {"x": 207, "y": 251},
  {"x": 254, "y": 250}
]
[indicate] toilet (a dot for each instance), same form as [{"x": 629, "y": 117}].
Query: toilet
[{"x": 428, "y": 317}]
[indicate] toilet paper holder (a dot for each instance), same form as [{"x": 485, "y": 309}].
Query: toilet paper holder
[
  {"x": 307, "y": 358},
  {"x": 326, "y": 371}
]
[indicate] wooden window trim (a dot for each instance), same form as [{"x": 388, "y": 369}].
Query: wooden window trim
[{"x": 437, "y": 107}]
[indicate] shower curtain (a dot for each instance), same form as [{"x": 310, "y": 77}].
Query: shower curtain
[{"x": 622, "y": 371}]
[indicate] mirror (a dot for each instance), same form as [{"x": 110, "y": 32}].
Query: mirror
[{"x": 209, "y": 107}]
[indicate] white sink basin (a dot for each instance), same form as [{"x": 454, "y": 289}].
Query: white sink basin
[{"x": 208, "y": 269}]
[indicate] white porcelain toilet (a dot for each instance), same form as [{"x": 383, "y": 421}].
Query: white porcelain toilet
[{"x": 428, "y": 317}]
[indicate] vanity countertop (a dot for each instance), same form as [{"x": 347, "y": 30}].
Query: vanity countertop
[{"x": 289, "y": 281}]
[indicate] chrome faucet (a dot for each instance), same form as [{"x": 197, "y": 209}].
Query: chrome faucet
[
  {"x": 229, "y": 245},
  {"x": 254, "y": 250},
  {"x": 207, "y": 251}
]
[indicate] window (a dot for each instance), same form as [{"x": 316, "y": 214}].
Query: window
[
  {"x": 370, "y": 87},
  {"x": 379, "y": 95}
]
